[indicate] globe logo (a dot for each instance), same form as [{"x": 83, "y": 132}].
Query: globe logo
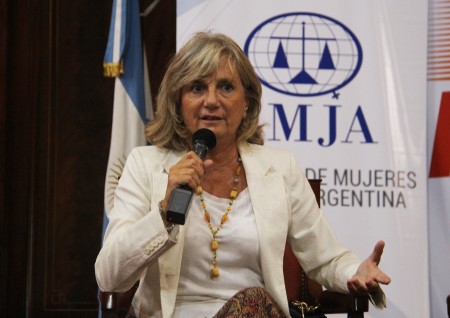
[{"x": 304, "y": 54}]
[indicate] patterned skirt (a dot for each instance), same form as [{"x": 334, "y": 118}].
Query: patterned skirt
[{"x": 254, "y": 302}]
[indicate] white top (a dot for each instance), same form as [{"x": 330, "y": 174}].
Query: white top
[{"x": 238, "y": 256}]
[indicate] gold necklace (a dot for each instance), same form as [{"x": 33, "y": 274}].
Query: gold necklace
[{"x": 214, "y": 245}]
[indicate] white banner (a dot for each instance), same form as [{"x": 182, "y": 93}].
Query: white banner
[{"x": 345, "y": 90}]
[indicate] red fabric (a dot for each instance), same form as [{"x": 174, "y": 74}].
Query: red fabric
[{"x": 440, "y": 160}]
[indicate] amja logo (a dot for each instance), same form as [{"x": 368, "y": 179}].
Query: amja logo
[{"x": 304, "y": 54}]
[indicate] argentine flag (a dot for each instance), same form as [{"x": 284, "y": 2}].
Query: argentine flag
[{"x": 125, "y": 60}]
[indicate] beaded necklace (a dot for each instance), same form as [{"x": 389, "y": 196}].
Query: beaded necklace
[{"x": 214, "y": 245}]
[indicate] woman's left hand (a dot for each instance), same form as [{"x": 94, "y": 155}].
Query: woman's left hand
[{"x": 369, "y": 275}]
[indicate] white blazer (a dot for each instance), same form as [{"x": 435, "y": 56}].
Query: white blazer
[{"x": 137, "y": 246}]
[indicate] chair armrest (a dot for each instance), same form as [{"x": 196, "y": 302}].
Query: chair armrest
[{"x": 333, "y": 302}]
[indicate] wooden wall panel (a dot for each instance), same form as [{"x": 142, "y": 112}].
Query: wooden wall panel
[
  {"x": 159, "y": 33},
  {"x": 19, "y": 142},
  {"x": 72, "y": 154},
  {"x": 55, "y": 117},
  {"x": 3, "y": 59},
  {"x": 59, "y": 119}
]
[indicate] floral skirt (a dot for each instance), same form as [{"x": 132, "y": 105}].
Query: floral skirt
[{"x": 254, "y": 302}]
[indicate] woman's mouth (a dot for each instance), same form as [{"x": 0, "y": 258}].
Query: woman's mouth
[{"x": 210, "y": 118}]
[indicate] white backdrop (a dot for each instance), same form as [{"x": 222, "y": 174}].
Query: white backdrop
[{"x": 345, "y": 91}]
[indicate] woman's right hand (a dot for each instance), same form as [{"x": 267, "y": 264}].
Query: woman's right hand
[{"x": 188, "y": 171}]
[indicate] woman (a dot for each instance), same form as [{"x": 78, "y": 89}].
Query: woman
[{"x": 249, "y": 201}]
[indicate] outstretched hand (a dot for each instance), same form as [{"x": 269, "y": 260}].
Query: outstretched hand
[{"x": 369, "y": 276}]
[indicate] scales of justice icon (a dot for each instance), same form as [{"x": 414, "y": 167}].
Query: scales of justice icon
[{"x": 303, "y": 77}]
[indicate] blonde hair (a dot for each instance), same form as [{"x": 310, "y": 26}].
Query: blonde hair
[{"x": 199, "y": 59}]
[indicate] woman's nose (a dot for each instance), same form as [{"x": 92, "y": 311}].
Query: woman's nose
[{"x": 211, "y": 98}]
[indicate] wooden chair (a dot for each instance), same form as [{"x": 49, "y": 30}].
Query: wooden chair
[{"x": 299, "y": 289}]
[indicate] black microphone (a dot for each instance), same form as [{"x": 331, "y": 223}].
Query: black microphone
[{"x": 203, "y": 140}]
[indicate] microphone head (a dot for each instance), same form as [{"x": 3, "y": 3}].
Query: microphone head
[{"x": 204, "y": 136}]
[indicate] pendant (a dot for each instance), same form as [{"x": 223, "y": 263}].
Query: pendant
[
  {"x": 214, "y": 245},
  {"x": 215, "y": 272}
]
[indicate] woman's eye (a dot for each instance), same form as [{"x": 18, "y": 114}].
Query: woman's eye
[
  {"x": 197, "y": 88},
  {"x": 227, "y": 87}
]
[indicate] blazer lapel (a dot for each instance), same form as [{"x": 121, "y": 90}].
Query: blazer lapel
[
  {"x": 269, "y": 201},
  {"x": 169, "y": 262}
]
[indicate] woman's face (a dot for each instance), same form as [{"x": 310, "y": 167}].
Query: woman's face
[{"x": 217, "y": 103}]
